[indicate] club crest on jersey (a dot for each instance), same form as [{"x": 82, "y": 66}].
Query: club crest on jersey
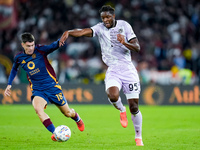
[
  {"x": 34, "y": 56},
  {"x": 120, "y": 30},
  {"x": 31, "y": 65}
]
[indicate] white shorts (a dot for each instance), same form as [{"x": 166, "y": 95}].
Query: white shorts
[{"x": 125, "y": 78}]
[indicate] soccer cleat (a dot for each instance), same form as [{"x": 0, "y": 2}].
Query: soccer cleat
[
  {"x": 80, "y": 125},
  {"x": 53, "y": 137},
  {"x": 139, "y": 142},
  {"x": 123, "y": 119}
]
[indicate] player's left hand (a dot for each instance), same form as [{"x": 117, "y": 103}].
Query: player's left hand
[
  {"x": 63, "y": 38},
  {"x": 120, "y": 38},
  {"x": 8, "y": 91}
]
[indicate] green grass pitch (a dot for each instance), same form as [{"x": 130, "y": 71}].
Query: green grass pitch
[{"x": 164, "y": 128}]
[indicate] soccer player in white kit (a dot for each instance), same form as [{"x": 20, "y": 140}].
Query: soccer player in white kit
[{"x": 117, "y": 39}]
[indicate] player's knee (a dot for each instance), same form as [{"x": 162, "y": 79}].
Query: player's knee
[
  {"x": 113, "y": 97},
  {"x": 68, "y": 113},
  {"x": 39, "y": 111},
  {"x": 133, "y": 109}
]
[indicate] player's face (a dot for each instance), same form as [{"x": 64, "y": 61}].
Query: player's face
[
  {"x": 108, "y": 19},
  {"x": 29, "y": 47}
]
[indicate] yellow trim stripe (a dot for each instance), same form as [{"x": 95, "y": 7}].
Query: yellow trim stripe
[
  {"x": 51, "y": 76},
  {"x": 31, "y": 84},
  {"x": 58, "y": 86}
]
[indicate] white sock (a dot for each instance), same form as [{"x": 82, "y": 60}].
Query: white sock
[
  {"x": 118, "y": 105},
  {"x": 137, "y": 122}
]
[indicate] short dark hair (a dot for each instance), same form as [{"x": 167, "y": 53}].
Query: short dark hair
[
  {"x": 27, "y": 37},
  {"x": 107, "y": 8}
]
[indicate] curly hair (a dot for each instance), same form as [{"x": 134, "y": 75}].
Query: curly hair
[{"x": 107, "y": 8}]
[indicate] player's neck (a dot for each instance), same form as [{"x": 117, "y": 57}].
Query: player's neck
[
  {"x": 114, "y": 24},
  {"x": 27, "y": 54}
]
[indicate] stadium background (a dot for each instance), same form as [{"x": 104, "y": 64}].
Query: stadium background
[{"x": 168, "y": 32}]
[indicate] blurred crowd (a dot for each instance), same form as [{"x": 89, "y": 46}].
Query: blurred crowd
[{"x": 168, "y": 32}]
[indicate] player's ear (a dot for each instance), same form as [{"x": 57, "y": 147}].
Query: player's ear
[
  {"x": 22, "y": 44},
  {"x": 113, "y": 16}
]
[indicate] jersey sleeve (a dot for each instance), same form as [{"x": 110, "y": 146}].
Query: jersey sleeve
[
  {"x": 13, "y": 72},
  {"x": 95, "y": 29},
  {"x": 49, "y": 48},
  {"x": 129, "y": 32}
]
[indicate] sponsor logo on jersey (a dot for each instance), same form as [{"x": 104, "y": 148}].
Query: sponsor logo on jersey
[
  {"x": 34, "y": 71},
  {"x": 31, "y": 65}
]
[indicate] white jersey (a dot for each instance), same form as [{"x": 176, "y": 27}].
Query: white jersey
[{"x": 113, "y": 52}]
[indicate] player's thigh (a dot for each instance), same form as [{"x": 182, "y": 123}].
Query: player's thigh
[
  {"x": 113, "y": 93},
  {"x": 112, "y": 80},
  {"x": 65, "y": 109},
  {"x": 39, "y": 102}
]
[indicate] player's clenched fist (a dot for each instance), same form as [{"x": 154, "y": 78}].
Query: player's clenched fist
[{"x": 120, "y": 38}]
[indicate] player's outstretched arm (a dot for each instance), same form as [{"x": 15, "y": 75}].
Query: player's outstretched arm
[
  {"x": 75, "y": 33},
  {"x": 8, "y": 90},
  {"x": 63, "y": 38}
]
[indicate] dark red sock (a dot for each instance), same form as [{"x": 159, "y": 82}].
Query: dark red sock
[
  {"x": 49, "y": 125},
  {"x": 76, "y": 117}
]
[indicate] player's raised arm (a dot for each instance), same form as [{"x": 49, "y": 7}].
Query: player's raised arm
[
  {"x": 75, "y": 33},
  {"x": 63, "y": 38},
  {"x": 49, "y": 48}
]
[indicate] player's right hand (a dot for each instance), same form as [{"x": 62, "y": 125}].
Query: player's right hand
[
  {"x": 8, "y": 91},
  {"x": 120, "y": 38},
  {"x": 63, "y": 38}
]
